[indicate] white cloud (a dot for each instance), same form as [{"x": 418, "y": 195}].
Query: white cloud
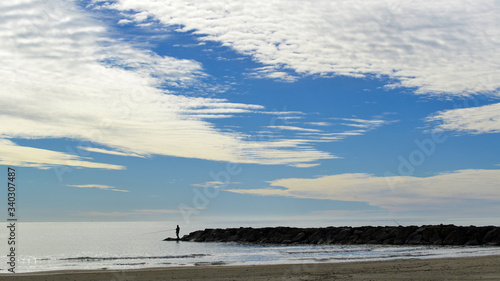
[
  {"x": 293, "y": 128},
  {"x": 319, "y": 123},
  {"x": 273, "y": 72},
  {"x": 393, "y": 193},
  {"x": 98, "y": 186},
  {"x": 124, "y": 22},
  {"x": 214, "y": 184},
  {"x": 364, "y": 123},
  {"x": 475, "y": 120},
  {"x": 22, "y": 156},
  {"x": 363, "y": 126},
  {"x": 304, "y": 165},
  {"x": 300, "y": 135},
  {"x": 435, "y": 47},
  {"x": 62, "y": 76},
  {"x": 105, "y": 151}
]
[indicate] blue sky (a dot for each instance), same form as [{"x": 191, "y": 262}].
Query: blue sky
[{"x": 265, "y": 110}]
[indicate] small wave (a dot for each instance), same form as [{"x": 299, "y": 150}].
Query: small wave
[
  {"x": 128, "y": 264},
  {"x": 210, "y": 263},
  {"x": 327, "y": 251},
  {"x": 377, "y": 257},
  {"x": 330, "y": 259},
  {"x": 132, "y": 258}
]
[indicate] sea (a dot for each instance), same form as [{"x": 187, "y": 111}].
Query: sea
[{"x": 47, "y": 246}]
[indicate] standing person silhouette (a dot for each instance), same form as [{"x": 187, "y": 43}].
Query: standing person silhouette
[{"x": 177, "y": 230}]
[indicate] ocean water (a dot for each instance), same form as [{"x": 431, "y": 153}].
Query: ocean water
[{"x": 132, "y": 245}]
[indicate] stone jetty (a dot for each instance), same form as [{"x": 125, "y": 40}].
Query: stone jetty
[{"x": 386, "y": 235}]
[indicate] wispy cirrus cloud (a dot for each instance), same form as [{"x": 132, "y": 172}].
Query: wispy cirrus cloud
[
  {"x": 319, "y": 123},
  {"x": 303, "y": 165},
  {"x": 22, "y": 156},
  {"x": 214, "y": 184},
  {"x": 111, "y": 152},
  {"x": 364, "y": 124},
  {"x": 436, "y": 48},
  {"x": 98, "y": 186},
  {"x": 273, "y": 72},
  {"x": 293, "y": 128},
  {"x": 362, "y": 127}
]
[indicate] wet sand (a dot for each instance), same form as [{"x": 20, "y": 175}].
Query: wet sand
[{"x": 472, "y": 268}]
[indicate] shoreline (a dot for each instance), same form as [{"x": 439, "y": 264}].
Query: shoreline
[{"x": 456, "y": 268}]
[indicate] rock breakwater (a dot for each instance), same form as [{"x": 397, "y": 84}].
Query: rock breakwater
[{"x": 387, "y": 235}]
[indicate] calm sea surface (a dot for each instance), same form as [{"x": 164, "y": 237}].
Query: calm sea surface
[{"x": 126, "y": 245}]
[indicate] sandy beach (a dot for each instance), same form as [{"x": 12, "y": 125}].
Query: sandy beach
[{"x": 471, "y": 268}]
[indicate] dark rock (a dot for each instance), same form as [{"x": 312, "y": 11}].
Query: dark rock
[
  {"x": 299, "y": 237},
  {"x": 456, "y": 237},
  {"x": 421, "y": 229},
  {"x": 342, "y": 235},
  {"x": 193, "y": 236},
  {"x": 403, "y": 234},
  {"x": 316, "y": 237},
  {"x": 389, "y": 241},
  {"x": 171, "y": 239},
  {"x": 472, "y": 242},
  {"x": 390, "y": 235},
  {"x": 492, "y": 237},
  {"x": 414, "y": 239},
  {"x": 232, "y": 238},
  {"x": 380, "y": 236},
  {"x": 358, "y": 232},
  {"x": 446, "y": 230},
  {"x": 431, "y": 235},
  {"x": 438, "y": 242}
]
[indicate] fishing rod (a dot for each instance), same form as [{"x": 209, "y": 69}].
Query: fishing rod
[{"x": 158, "y": 231}]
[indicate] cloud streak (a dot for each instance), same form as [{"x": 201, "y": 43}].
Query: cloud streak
[
  {"x": 98, "y": 186},
  {"x": 22, "y": 156},
  {"x": 397, "y": 193},
  {"x": 293, "y": 128},
  {"x": 104, "y": 151},
  {"x": 362, "y": 126}
]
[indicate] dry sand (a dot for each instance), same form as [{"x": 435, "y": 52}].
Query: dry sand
[{"x": 474, "y": 268}]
